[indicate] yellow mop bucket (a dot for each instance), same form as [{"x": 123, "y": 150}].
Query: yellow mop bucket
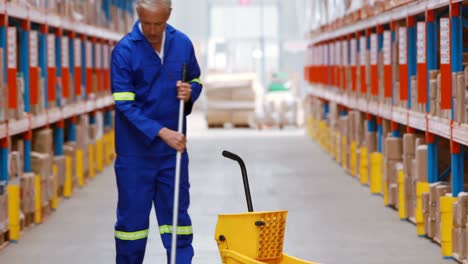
[{"x": 253, "y": 237}]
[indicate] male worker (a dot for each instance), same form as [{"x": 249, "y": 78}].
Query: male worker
[{"x": 146, "y": 85}]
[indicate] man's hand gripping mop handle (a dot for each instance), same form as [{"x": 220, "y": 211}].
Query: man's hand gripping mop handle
[{"x": 175, "y": 214}]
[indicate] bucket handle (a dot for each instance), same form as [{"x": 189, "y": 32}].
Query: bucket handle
[{"x": 235, "y": 157}]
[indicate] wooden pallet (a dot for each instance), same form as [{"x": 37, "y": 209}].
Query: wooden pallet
[
  {"x": 46, "y": 210},
  {"x": 457, "y": 258},
  {"x": 26, "y": 221},
  {"x": 60, "y": 191},
  {"x": 4, "y": 239}
]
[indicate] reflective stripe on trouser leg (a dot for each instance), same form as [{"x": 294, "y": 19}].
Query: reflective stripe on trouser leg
[
  {"x": 136, "y": 189},
  {"x": 163, "y": 201}
]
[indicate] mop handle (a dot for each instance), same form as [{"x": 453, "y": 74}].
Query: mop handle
[{"x": 175, "y": 213}]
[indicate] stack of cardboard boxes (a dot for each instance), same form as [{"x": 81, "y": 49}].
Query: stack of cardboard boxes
[
  {"x": 459, "y": 235},
  {"x": 460, "y": 93},
  {"x": 409, "y": 141},
  {"x": 392, "y": 156},
  {"x": 230, "y": 98},
  {"x": 42, "y": 160},
  {"x": 431, "y": 210}
]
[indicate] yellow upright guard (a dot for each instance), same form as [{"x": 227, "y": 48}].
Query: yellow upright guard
[
  {"x": 79, "y": 167},
  {"x": 68, "y": 185},
  {"x": 37, "y": 199},
  {"x": 364, "y": 166},
  {"x": 401, "y": 194},
  {"x": 353, "y": 158},
  {"x": 376, "y": 173},
  {"x": 91, "y": 159},
  {"x": 14, "y": 210},
  {"x": 446, "y": 224},
  {"x": 344, "y": 153},
  {"x": 421, "y": 187},
  {"x": 55, "y": 197}
]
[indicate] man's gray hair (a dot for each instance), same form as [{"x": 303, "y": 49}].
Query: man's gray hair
[{"x": 150, "y": 4}]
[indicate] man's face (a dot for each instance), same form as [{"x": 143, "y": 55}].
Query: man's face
[{"x": 153, "y": 22}]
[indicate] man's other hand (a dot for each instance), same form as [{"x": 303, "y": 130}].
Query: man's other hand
[
  {"x": 184, "y": 91},
  {"x": 173, "y": 138}
]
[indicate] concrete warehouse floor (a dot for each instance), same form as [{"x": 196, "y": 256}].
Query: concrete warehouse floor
[{"x": 332, "y": 218}]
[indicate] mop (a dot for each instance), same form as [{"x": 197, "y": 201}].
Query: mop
[{"x": 175, "y": 213}]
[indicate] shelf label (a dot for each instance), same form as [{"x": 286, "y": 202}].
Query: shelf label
[
  {"x": 373, "y": 49},
  {"x": 33, "y": 49},
  {"x": 353, "y": 51},
  {"x": 64, "y": 52},
  {"x": 362, "y": 51},
  {"x": 345, "y": 53},
  {"x": 51, "y": 51},
  {"x": 11, "y": 42},
  {"x": 444, "y": 41},
  {"x": 421, "y": 42},
  {"x": 387, "y": 47},
  {"x": 402, "y": 44},
  {"x": 77, "y": 52},
  {"x": 89, "y": 51}
]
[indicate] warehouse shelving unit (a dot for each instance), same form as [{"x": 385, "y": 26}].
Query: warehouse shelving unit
[
  {"x": 354, "y": 63},
  {"x": 65, "y": 68}
]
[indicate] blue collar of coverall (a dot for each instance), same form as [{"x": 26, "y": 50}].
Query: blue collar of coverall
[{"x": 137, "y": 35}]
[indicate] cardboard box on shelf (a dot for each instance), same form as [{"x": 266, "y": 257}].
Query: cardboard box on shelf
[
  {"x": 371, "y": 142},
  {"x": 425, "y": 197},
  {"x": 407, "y": 165},
  {"x": 459, "y": 97},
  {"x": 27, "y": 192},
  {"x": 42, "y": 141},
  {"x": 59, "y": 161},
  {"x": 15, "y": 165},
  {"x": 393, "y": 194},
  {"x": 461, "y": 210},
  {"x": 3, "y": 212},
  {"x": 409, "y": 141},
  {"x": 41, "y": 164},
  {"x": 390, "y": 173},
  {"x": 393, "y": 148},
  {"x": 421, "y": 163},
  {"x": 410, "y": 192}
]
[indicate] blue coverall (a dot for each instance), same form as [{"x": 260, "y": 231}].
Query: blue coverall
[{"x": 145, "y": 94}]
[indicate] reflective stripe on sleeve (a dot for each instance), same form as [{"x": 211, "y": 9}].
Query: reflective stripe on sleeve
[{"x": 124, "y": 96}]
